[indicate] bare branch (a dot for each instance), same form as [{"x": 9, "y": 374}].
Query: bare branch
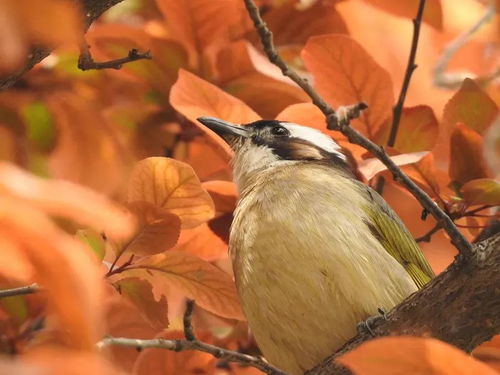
[
  {"x": 341, "y": 123},
  {"x": 28, "y": 289},
  {"x": 92, "y": 10},
  {"x": 410, "y": 68},
  {"x": 191, "y": 343},
  {"x": 86, "y": 62},
  {"x": 454, "y": 80}
]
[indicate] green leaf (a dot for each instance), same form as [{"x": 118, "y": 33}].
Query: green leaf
[
  {"x": 482, "y": 191},
  {"x": 94, "y": 241},
  {"x": 40, "y": 125}
]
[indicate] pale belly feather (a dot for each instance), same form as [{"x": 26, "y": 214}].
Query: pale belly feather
[{"x": 308, "y": 271}]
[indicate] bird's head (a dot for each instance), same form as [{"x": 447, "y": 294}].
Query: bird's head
[{"x": 267, "y": 144}]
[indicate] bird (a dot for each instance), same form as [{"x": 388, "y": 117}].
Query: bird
[{"x": 314, "y": 250}]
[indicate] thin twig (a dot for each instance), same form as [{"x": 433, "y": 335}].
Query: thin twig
[
  {"x": 454, "y": 80},
  {"x": 28, "y": 289},
  {"x": 427, "y": 237},
  {"x": 335, "y": 122},
  {"x": 86, "y": 62},
  {"x": 410, "y": 68},
  {"x": 191, "y": 343},
  {"x": 188, "y": 326}
]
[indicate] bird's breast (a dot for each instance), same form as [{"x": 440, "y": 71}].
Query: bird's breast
[{"x": 307, "y": 268}]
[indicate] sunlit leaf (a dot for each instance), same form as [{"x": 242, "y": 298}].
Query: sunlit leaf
[
  {"x": 204, "y": 242},
  {"x": 140, "y": 293},
  {"x": 418, "y": 130},
  {"x": 345, "y": 74},
  {"x": 213, "y": 289},
  {"x": 193, "y": 97},
  {"x": 370, "y": 167},
  {"x": 172, "y": 185},
  {"x": 482, "y": 191},
  {"x": 93, "y": 240},
  {"x": 433, "y": 13},
  {"x": 466, "y": 158},
  {"x": 415, "y": 355},
  {"x": 471, "y": 106}
]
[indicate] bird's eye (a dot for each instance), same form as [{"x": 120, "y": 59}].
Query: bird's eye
[{"x": 279, "y": 130}]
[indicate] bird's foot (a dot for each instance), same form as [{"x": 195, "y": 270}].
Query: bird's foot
[{"x": 366, "y": 326}]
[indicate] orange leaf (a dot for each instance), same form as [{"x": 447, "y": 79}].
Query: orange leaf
[
  {"x": 418, "y": 130},
  {"x": 344, "y": 73},
  {"x": 26, "y": 23},
  {"x": 223, "y": 193},
  {"x": 427, "y": 176},
  {"x": 204, "y": 242},
  {"x": 482, "y": 191},
  {"x": 370, "y": 167},
  {"x": 157, "y": 230},
  {"x": 318, "y": 19},
  {"x": 55, "y": 256},
  {"x": 172, "y": 185},
  {"x": 466, "y": 158},
  {"x": 194, "y": 97},
  {"x": 198, "y": 24},
  {"x": 213, "y": 289},
  {"x": 471, "y": 106},
  {"x": 433, "y": 13},
  {"x": 411, "y": 355},
  {"x": 140, "y": 293},
  {"x": 89, "y": 150},
  {"x": 65, "y": 199}
]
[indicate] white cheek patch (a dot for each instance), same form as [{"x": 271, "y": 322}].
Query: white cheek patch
[{"x": 315, "y": 137}]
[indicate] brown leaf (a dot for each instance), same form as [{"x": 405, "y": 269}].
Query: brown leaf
[
  {"x": 411, "y": 355},
  {"x": 157, "y": 230},
  {"x": 204, "y": 242},
  {"x": 370, "y": 167},
  {"x": 172, "y": 185},
  {"x": 466, "y": 158},
  {"x": 471, "y": 106},
  {"x": 345, "y": 74},
  {"x": 418, "y": 130},
  {"x": 140, "y": 293},
  {"x": 213, "y": 289},
  {"x": 482, "y": 191}
]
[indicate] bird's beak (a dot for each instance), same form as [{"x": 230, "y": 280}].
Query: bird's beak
[{"x": 226, "y": 130}]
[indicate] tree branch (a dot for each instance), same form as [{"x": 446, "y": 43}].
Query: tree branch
[
  {"x": 191, "y": 343},
  {"x": 454, "y": 80},
  {"x": 341, "y": 123},
  {"x": 92, "y": 9},
  {"x": 410, "y": 68},
  {"x": 86, "y": 62},
  {"x": 459, "y": 306},
  {"x": 28, "y": 289}
]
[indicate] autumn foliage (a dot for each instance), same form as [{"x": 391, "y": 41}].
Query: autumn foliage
[{"x": 117, "y": 202}]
